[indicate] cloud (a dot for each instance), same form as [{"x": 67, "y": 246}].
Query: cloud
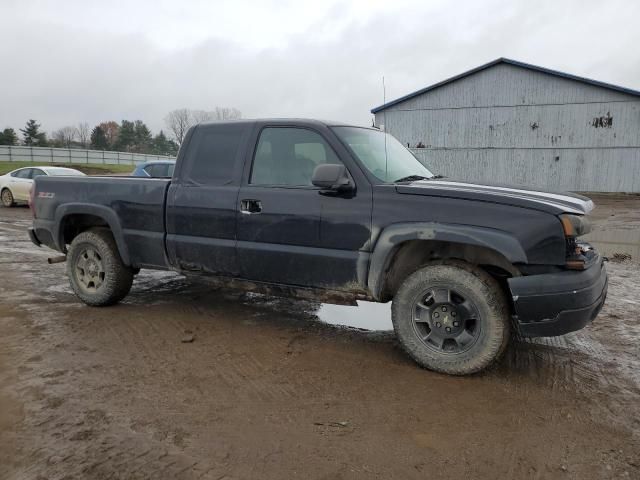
[{"x": 61, "y": 68}]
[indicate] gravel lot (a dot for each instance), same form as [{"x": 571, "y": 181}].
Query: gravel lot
[{"x": 180, "y": 381}]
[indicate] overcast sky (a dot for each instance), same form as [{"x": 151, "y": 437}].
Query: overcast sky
[{"x": 68, "y": 61}]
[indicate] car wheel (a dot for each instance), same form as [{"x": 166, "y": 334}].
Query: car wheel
[
  {"x": 7, "y": 198},
  {"x": 96, "y": 272},
  {"x": 452, "y": 317}
]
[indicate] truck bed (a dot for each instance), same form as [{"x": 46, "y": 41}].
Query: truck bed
[{"x": 131, "y": 205}]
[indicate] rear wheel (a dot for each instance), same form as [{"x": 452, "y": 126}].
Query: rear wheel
[
  {"x": 7, "y": 198},
  {"x": 96, "y": 272},
  {"x": 452, "y": 317}
]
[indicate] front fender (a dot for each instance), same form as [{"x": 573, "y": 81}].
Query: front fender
[
  {"x": 105, "y": 213},
  {"x": 394, "y": 235}
]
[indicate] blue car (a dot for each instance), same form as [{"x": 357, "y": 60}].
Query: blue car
[{"x": 156, "y": 168}]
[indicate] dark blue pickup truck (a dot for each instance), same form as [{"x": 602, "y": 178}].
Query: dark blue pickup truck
[{"x": 336, "y": 212}]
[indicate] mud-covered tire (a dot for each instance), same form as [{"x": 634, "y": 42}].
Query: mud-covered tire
[
  {"x": 464, "y": 281},
  {"x": 112, "y": 282},
  {"x": 7, "y": 198}
]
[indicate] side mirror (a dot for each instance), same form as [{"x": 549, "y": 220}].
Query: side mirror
[{"x": 334, "y": 177}]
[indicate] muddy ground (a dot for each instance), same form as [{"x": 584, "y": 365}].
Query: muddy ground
[{"x": 267, "y": 391}]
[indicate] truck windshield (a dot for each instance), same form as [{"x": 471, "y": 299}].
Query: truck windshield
[{"x": 384, "y": 156}]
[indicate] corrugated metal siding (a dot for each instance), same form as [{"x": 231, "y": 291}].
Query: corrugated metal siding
[
  {"x": 577, "y": 170},
  {"x": 540, "y": 126},
  {"x": 511, "y": 125}
]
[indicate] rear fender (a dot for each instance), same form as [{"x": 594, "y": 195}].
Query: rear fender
[{"x": 109, "y": 216}]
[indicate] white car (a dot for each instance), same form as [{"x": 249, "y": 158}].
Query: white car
[{"x": 15, "y": 185}]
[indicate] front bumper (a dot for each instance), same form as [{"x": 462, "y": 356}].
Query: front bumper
[{"x": 553, "y": 304}]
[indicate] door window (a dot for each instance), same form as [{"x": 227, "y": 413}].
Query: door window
[
  {"x": 36, "y": 172},
  {"x": 288, "y": 156},
  {"x": 24, "y": 173}
]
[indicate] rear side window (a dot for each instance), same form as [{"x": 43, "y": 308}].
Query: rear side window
[
  {"x": 288, "y": 156},
  {"x": 36, "y": 172},
  {"x": 158, "y": 170},
  {"x": 215, "y": 153}
]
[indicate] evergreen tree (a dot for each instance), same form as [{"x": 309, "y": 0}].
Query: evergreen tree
[
  {"x": 160, "y": 144},
  {"x": 99, "y": 139},
  {"x": 172, "y": 148},
  {"x": 32, "y": 135},
  {"x": 126, "y": 136},
  {"x": 143, "y": 139},
  {"x": 8, "y": 137}
]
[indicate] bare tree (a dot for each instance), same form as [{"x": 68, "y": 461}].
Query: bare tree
[
  {"x": 179, "y": 121},
  {"x": 198, "y": 116},
  {"x": 226, "y": 113},
  {"x": 83, "y": 132},
  {"x": 65, "y": 136}
]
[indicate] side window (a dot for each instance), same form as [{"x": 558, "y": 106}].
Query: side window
[
  {"x": 288, "y": 156},
  {"x": 155, "y": 170},
  {"x": 36, "y": 172},
  {"x": 24, "y": 173},
  {"x": 215, "y": 148}
]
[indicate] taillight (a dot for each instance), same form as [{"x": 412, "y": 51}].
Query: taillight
[{"x": 31, "y": 195}]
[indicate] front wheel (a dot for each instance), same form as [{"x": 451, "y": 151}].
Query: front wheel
[
  {"x": 96, "y": 272},
  {"x": 7, "y": 198},
  {"x": 452, "y": 317}
]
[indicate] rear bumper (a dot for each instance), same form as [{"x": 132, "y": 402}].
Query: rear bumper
[
  {"x": 33, "y": 237},
  {"x": 553, "y": 304},
  {"x": 40, "y": 234}
]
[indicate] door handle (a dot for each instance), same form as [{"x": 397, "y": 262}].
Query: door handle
[{"x": 250, "y": 207}]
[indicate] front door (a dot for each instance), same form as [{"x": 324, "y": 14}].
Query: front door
[{"x": 280, "y": 226}]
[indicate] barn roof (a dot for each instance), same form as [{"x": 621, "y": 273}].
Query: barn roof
[{"x": 516, "y": 63}]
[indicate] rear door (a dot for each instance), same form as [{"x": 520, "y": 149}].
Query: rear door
[
  {"x": 201, "y": 201},
  {"x": 289, "y": 232}
]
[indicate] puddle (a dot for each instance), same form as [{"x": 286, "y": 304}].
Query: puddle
[
  {"x": 366, "y": 316},
  {"x": 616, "y": 240}
]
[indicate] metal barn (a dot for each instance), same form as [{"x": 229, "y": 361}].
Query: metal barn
[{"x": 511, "y": 122}]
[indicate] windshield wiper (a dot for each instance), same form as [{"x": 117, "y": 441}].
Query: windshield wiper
[{"x": 414, "y": 178}]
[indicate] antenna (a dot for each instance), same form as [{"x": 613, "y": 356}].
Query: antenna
[{"x": 384, "y": 92}]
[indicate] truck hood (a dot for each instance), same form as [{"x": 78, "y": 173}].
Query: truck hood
[{"x": 551, "y": 202}]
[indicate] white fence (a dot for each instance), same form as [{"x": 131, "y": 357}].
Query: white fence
[{"x": 73, "y": 155}]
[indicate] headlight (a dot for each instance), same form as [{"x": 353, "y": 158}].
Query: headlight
[{"x": 575, "y": 225}]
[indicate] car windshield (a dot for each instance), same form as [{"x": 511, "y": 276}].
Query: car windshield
[
  {"x": 63, "y": 172},
  {"x": 384, "y": 156}
]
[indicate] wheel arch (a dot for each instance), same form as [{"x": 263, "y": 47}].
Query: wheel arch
[
  {"x": 72, "y": 219},
  {"x": 401, "y": 249}
]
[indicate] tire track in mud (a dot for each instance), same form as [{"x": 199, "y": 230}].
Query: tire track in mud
[{"x": 102, "y": 447}]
